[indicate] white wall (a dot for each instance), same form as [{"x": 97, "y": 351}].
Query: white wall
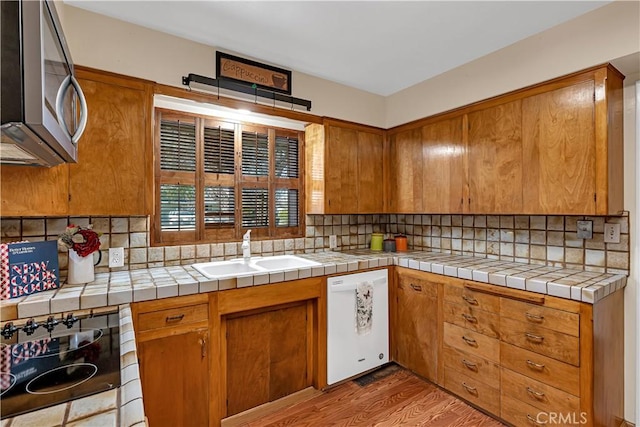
[
  {"x": 597, "y": 37},
  {"x": 109, "y": 44}
]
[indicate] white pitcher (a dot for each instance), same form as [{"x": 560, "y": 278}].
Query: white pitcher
[{"x": 80, "y": 268}]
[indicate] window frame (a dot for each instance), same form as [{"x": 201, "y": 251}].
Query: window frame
[{"x": 201, "y": 179}]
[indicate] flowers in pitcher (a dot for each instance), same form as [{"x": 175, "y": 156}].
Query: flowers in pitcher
[{"x": 84, "y": 241}]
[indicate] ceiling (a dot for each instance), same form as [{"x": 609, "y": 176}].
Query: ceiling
[{"x": 377, "y": 46}]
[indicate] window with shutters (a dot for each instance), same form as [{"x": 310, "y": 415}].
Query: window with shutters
[{"x": 216, "y": 179}]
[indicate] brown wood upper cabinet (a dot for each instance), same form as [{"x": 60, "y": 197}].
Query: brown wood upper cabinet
[
  {"x": 552, "y": 148},
  {"x": 426, "y": 168},
  {"x": 344, "y": 168},
  {"x": 114, "y": 170}
]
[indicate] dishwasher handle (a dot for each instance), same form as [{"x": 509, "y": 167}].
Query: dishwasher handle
[{"x": 340, "y": 286}]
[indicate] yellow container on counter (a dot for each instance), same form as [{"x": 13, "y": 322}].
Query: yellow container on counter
[{"x": 376, "y": 241}]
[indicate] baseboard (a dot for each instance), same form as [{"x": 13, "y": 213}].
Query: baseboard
[{"x": 269, "y": 408}]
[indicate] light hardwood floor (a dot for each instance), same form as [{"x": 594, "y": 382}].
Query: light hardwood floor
[{"x": 398, "y": 398}]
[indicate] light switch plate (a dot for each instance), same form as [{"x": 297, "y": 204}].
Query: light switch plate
[
  {"x": 611, "y": 233},
  {"x": 585, "y": 229},
  {"x": 333, "y": 241}
]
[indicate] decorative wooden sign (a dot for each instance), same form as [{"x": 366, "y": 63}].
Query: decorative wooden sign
[{"x": 242, "y": 70}]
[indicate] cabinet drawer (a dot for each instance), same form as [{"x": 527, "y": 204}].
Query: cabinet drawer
[
  {"x": 417, "y": 284},
  {"x": 173, "y": 317},
  {"x": 470, "y": 298},
  {"x": 472, "y": 342},
  {"x": 557, "y": 374},
  {"x": 472, "y": 390},
  {"x": 465, "y": 316},
  {"x": 521, "y": 414},
  {"x": 537, "y": 394},
  {"x": 551, "y": 318},
  {"x": 563, "y": 347},
  {"x": 475, "y": 367}
]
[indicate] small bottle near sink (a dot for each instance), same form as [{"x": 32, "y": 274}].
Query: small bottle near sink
[{"x": 246, "y": 246}]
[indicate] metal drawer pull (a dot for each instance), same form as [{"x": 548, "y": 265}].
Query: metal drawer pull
[
  {"x": 534, "y": 365},
  {"x": 534, "y": 317},
  {"x": 469, "y": 318},
  {"x": 177, "y": 318},
  {"x": 470, "y": 365},
  {"x": 470, "y": 300},
  {"x": 470, "y": 341},
  {"x": 470, "y": 389},
  {"x": 535, "y": 338},
  {"x": 532, "y": 420},
  {"x": 416, "y": 287},
  {"x": 537, "y": 394}
]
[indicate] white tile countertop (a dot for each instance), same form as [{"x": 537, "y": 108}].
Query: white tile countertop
[
  {"x": 124, "y": 406},
  {"x": 124, "y": 287}
]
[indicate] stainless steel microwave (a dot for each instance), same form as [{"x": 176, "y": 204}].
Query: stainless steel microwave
[{"x": 43, "y": 110}]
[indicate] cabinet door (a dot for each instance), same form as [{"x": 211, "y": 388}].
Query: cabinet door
[
  {"x": 114, "y": 154},
  {"x": 558, "y": 137},
  {"x": 370, "y": 178},
  {"x": 406, "y": 171},
  {"x": 341, "y": 168},
  {"x": 34, "y": 191},
  {"x": 175, "y": 379},
  {"x": 416, "y": 326},
  {"x": 495, "y": 159},
  {"x": 443, "y": 169},
  {"x": 266, "y": 356}
]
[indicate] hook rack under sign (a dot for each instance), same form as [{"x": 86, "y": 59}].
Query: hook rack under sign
[{"x": 239, "y": 87}]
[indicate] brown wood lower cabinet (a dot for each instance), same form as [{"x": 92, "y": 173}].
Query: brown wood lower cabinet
[
  {"x": 416, "y": 324},
  {"x": 266, "y": 356},
  {"x": 174, "y": 355},
  {"x": 528, "y": 358}
]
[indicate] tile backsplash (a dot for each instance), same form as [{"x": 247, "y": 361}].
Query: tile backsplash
[{"x": 545, "y": 240}]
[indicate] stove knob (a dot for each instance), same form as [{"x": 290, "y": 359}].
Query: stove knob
[
  {"x": 50, "y": 324},
  {"x": 70, "y": 320},
  {"x": 30, "y": 326},
  {"x": 8, "y": 330}
]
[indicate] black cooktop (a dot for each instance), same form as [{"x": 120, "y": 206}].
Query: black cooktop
[{"x": 54, "y": 361}]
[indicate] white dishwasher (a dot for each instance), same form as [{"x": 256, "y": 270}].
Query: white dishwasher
[{"x": 357, "y": 323}]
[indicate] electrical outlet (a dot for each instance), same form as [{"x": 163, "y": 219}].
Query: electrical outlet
[
  {"x": 585, "y": 229},
  {"x": 333, "y": 241},
  {"x": 611, "y": 233},
  {"x": 116, "y": 257}
]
